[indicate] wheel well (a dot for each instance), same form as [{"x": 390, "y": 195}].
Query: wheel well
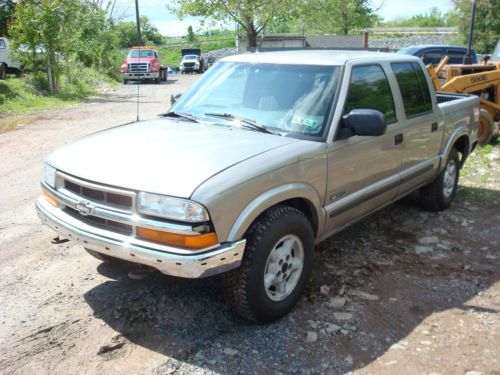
[
  {"x": 301, "y": 204},
  {"x": 462, "y": 146}
]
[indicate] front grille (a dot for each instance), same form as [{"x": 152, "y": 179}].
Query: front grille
[
  {"x": 99, "y": 196},
  {"x": 100, "y": 222},
  {"x": 188, "y": 65},
  {"x": 141, "y": 67}
]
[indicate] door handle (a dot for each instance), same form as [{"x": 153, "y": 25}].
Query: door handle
[
  {"x": 434, "y": 126},
  {"x": 398, "y": 139}
]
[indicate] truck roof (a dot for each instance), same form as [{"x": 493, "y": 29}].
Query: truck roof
[{"x": 317, "y": 57}]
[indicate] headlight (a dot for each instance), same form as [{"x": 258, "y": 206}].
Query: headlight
[
  {"x": 49, "y": 175},
  {"x": 172, "y": 208}
]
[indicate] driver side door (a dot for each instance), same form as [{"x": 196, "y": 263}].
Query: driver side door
[{"x": 363, "y": 171}]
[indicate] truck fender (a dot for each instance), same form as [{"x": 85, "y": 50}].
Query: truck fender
[
  {"x": 272, "y": 197},
  {"x": 461, "y": 131}
]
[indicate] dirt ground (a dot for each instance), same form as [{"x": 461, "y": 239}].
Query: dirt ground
[{"x": 402, "y": 292}]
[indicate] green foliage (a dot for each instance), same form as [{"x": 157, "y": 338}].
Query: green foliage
[
  {"x": 191, "y": 37},
  {"x": 48, "y": 34},
  {"x": 127, "y": 33},
  {"x": 252, "y": 15},
  {"x": 432, "y": 18},
  {"x": 487, "y": 25},
  {"x": 7, "y": 11},
  {"x": 338, "y": 16}
]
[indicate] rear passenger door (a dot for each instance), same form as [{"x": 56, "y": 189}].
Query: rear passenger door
[
  {"x": 363, "y": 171},
  {"x": 423, "y": 127}
]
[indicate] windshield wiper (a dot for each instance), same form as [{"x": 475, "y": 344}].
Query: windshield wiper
[
  {"x": 248, "y": 122},
  {"x": 184, "y": 116}
]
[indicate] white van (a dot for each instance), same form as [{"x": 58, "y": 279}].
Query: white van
[{"x": 7, "y": 64}]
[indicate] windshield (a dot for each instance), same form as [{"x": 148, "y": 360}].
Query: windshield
[
  {"x": 141, "y": 53},
  {"x": 291, "y": 99},
  {"x": 190, "y": 57}
]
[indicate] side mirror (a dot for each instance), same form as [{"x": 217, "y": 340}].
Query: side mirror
[
  {"x": 174, "y": 97},
  {"x": 365, "y": 122}
]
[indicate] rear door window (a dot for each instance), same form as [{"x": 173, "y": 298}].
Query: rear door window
[
  {"x": 369, "y": 89},
  {"x": 414, "y": 88}
]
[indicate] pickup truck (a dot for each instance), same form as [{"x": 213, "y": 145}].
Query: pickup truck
[
  {"x": 143, "y": 63},
  {"x": 265, "y": 156}
]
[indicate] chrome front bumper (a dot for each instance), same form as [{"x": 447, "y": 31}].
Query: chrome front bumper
[
  {"x": 141, "y": 75},
  {"x": 225, "y": 257}
]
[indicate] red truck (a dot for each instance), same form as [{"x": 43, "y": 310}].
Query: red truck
[{"x": 143, "y": 63}]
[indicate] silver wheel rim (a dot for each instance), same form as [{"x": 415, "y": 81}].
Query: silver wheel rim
[
  {"x": 284, "y": 267},
  {"x": 450, "y": 174}
]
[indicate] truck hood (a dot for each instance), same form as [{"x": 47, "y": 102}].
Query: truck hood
[{"x": 164, "y": 156}]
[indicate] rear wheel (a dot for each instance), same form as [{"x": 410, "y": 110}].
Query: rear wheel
[
  {"x": 486, "y": 128},
  {"x": 275, "y": 268},
  {"x": 439, "y": 194},
  {"x": 3, "y": 71},
  {"x": 125, "y": 81}
]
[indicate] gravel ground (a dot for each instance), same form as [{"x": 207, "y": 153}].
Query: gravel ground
[{"x": 403, "y": 291}]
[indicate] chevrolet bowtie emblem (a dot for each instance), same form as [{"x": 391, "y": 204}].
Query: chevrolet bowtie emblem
[{"x": 84, "y": 207}]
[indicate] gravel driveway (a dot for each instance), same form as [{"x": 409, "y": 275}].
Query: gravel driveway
[{"x": 403, "y": 291}]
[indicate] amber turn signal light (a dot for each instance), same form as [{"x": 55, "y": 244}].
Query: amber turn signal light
[
  {"x": 178, "y": 240},
  {"x": 50, "y": 198}
]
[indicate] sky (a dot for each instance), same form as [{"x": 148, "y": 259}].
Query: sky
[{"x": 169, "y": 25}]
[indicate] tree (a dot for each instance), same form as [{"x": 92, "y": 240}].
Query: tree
[
  {"x": 7, "y": 11},
  {"x": 338, "y": 16},
  {"x": 431, "y": 18},
  {"x": 191, "y": 37},
  {"x": 127, "y": 33},
  {"x": 487, "y": 23},
  {"x": 252, "y": 15}
]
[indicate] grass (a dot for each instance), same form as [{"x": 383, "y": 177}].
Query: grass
[
  {"x": 479, "y": 177},
  {"x": 30, "y": 93}
]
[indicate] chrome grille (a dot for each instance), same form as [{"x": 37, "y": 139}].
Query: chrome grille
[
  {"x": 139, "y": 67},
  {"x": 99, "y": 196},
  {"x": 188, "y": 65},
  {"x": 100, "y": 222}
]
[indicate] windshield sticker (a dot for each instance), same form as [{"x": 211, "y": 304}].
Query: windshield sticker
[{"x": 309, "y": 122}]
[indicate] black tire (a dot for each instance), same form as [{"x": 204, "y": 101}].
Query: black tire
[
  {"x": 486, "y": 128},
  {"x": 157, "y": 80},
  {"x": 125, "y": 81},
  {"x": 3, "y": 71},
  {"x": 102, "y": 257},
  {"x": 439, "y": 194},
  {"x": 244, "y": 287},
  {"x": 19, "y": 73}
]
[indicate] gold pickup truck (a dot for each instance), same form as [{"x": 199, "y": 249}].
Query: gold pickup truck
[{"x": 265, "y": 156}]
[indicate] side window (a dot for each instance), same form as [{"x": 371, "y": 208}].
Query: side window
[
  {"x": 369, "y": 89},
  {"x": 431, "y": 57},
  {"x": 2, "y": 43},
  {"x": 413, "y": 87},
  {"x": 456, "y": 56}
]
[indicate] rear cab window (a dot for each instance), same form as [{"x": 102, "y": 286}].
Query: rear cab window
[
  {"x": 414, "y": 88},
  {"x": 370, "y": 89}
]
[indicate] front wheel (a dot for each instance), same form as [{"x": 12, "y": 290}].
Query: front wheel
[
  {"x": 275, "y": 268},
  {"x": 439, "y": 194}
]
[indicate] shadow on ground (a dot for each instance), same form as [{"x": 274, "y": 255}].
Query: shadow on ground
[{"x": 188, "y": 320}]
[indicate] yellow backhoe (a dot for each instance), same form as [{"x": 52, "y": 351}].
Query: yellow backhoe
[{"x": 482, "y": 80}]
